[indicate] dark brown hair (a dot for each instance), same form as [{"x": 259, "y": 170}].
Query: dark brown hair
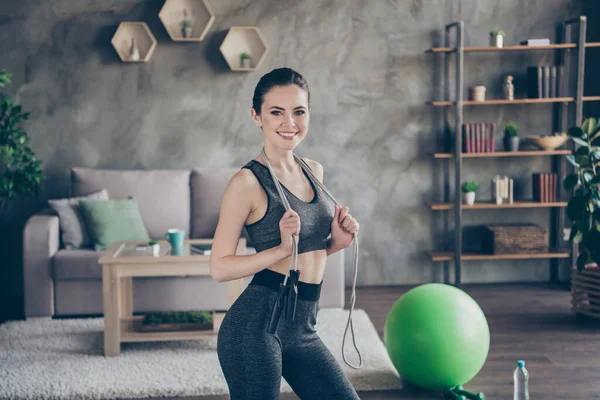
[{"x": 277, "y": 77}]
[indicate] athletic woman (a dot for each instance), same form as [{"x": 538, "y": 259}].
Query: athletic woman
[{"x": 252, "y": 359}]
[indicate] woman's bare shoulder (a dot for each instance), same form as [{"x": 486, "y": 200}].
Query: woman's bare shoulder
[
  {"x": 316, "y": 168},
  {"x": 243, "y": 181}
]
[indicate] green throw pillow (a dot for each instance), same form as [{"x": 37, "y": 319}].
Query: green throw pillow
[{"x": 110, "y": 221}]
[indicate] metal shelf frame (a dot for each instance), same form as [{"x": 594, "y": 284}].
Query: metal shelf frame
[{"x": 453, "y": 121}]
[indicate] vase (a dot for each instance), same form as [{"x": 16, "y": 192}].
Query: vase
[
  {"x": 469, "y": 198},
  {"x": 497, "y": 41},
  {"x": 186, "y": 32},
  {"x": 478, "y": 93},
  {"x": 246, "y": 63},
  {"x": 511, "y": 143},
  {"x": 134, "y": 51}
]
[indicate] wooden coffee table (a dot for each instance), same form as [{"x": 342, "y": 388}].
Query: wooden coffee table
[{"x": 122, "y": 262}]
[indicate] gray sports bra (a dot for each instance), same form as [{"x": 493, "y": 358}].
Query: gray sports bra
[{"x": 316, "y": 216}]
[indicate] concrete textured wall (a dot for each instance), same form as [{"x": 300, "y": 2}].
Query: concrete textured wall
[{"x": 370, "y": 79}]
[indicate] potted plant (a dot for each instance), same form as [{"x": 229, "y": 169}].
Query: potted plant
[
  {"x": 245, "y": 60},
  {"x": 583, "y": 208},
  {"x": 497, "y": 38},
  {"x": 155, "y": 247},
  {"x": 20, "y": 170},
  {"x": 469, "y": 188},
  {"x": 511, "y": 137},
  {"x": 186, "y": 25}
]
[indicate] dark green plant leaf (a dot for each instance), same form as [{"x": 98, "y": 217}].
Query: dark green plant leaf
[
  {"x": 576, "y": 132},
  {"x": 596, "y": 215},
  {"x": 582, "y": 151},
  {"x": 571, "y": 181},
  {"x": 583, "y": 161},
  {"x": 574, "y": 231},
  {"x": 589, "y": 126},
  {"x": 595, "y": 180},
  {"x": 571, "y": 159},
  {"x": 587, "y": 177},
  {"x": 581, "y": 142},
  {"x": 576, "y": 208}
]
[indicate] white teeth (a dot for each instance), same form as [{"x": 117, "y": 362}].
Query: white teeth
[{"x": 287, "y": 134}]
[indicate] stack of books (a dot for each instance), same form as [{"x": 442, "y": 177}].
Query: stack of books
[
  {"x": 545, "y": 81},
  {"x": 544, "y": 187},
  {"x": 478, "y": 137}
]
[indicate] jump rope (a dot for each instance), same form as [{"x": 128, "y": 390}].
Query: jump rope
[{"x": 287, "y": 294}]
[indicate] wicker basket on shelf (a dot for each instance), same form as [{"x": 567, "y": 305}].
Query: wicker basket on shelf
[
  {"x": 585, "y": 291},
  {"x": 514, "y": 238}
]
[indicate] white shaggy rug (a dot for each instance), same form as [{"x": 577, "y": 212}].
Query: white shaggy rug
[{"x": 43, "y": 358}]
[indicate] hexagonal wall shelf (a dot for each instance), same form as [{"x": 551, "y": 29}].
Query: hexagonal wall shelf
[
  {"x": 198, "y": 15},
  {"x": 244, "y": 39},
  {"x": 132, "y": 35}
]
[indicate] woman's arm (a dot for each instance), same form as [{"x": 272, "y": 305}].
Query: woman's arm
[{"x": 237, "y": 203}]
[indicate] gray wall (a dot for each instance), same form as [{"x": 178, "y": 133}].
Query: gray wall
[{"x": 371, "y": 129}]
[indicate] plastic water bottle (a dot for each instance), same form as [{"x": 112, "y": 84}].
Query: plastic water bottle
[{"x": 521, "y": 380}]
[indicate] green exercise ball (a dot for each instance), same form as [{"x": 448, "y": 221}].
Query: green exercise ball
[{"x": 437, "y": 336}]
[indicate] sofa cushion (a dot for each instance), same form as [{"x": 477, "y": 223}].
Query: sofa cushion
[
  {"x": 111, "y": 221},
  {"x": 163, "y": 195},
  {"x": 208, "y": 187},
  {"x": 73, "y": 231},
  {"x": 76, "y": 264}
]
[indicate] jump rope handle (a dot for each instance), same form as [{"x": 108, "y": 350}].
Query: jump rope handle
[
  {"x": 278, "y": 308},
  {"x": 292, "y": 296}
]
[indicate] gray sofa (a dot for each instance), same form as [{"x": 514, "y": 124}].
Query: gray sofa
[{"x": 68, "y": 282}]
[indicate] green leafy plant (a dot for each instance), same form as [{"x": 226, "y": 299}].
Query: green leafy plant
[
  {"x": 20, "y": 170},
  {"x": 470, "y": 186},
  {"x": 177, "y": 317},
  {"x": 511, "y": 129},
  {"x": 496, "y": 32},
  {"x": 186, "y": 23},
  {"x": 152, "y": 242},
  {"x": 583, "y": 208},
  {"x": 244, "y": 56}
]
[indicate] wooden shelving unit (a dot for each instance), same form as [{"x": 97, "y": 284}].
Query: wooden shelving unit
[
  {"x": 493, "y": 206},
  {"x": 198, "y": 12},
  {"x": 508, "y": 48},
  {"x": 126, "y": 33},
  {"x": 449, "y": 256},
  {"x": 244, "y": 39},
  {"x": 502, "y": 101},
  {"x": 452, "y": 153},
  {"x": 521, "y": 153}
]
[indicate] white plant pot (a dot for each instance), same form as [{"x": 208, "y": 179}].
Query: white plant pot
[
  {"x": 469, "y": 198},
  {"x": 246, "y": 63},
  {"x": 497, "y": 41},
  {"x": 155, "y": 250}
]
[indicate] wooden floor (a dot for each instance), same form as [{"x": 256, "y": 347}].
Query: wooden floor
[{"x": 530, "y": 322}]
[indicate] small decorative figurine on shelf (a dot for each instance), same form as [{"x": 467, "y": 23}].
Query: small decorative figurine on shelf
[
  {"x": 245, "y": 60},
  {"x": 186, "y": 25},
  {"x": 509, "y": 88},
  {"x": 502, "y": 189},
  {"x": 134, "y": 51}
]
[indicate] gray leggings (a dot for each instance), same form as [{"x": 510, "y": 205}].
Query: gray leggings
[{"x": 253, "y": 360}]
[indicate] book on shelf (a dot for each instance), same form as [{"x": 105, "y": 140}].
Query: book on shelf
[
  {"x": 478, "y": 137},
  {"x": 544, "y": 187},
  {"x": 545, "y": 81},
  {"x": 535, "y": 42}
]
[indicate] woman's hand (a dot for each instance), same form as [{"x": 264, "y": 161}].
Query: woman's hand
[
  {"x": 343, "y": 227},
  {"x": 289, "y": 225}
]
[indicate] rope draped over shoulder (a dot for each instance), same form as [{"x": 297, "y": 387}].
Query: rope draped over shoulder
[{"x": 294, "y": 259}]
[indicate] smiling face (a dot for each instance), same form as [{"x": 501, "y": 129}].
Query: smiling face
[{"x": 284, "y": 116}]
